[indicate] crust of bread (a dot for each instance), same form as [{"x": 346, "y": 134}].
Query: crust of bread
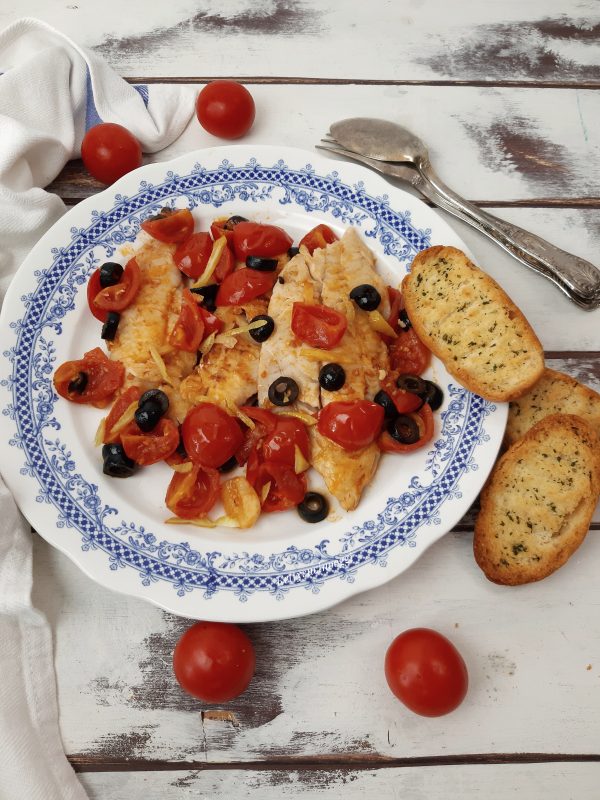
[
  {"x": 467, "y": 320},
  {"x": 538, "y": 502},
  {"x": 554, "y": 393}
]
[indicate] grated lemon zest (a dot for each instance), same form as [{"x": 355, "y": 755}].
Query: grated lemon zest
[
  {"x": 264, "y": 492},
  {"x": 379, "y": 323},
  {"x": 207, "y": 344},
  {"x": 237, "y": 412},
  {"x": 99, "y": 438},
  {"x": 185, "y": 466},
  {"x": 158, "y": 360},
  {"x": 300, "y": 463},
  {"x": 226, "y": 340},
  {"x": 126, "y": 417},
  {"x": 227, "y": 522},
  {"x": 315, "y": 354},
  {"x": 200, "y": 522},
  {"x": 303, "y": 416},
  {"x": 211, "y": 265}
]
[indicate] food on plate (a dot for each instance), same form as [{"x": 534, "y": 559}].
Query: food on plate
[
  {"x": 474, "y": 328},
  {"x": 235, "y": 349},
  {"x": 554, "y": 393},
  {"x": 426, "y": 672},
  {"x": 226, "y": 109},
  {"x": 110, "y": 151},
  {"x": 538, "y": 502},
  {"x": 214, "y": 661}
]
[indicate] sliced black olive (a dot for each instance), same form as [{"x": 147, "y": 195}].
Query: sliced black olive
[
  {"x": 156, "y": 396},
  {"x": 262, "y": 334},
  {"x": 332, "y": 377},
  {"x": 403, "y": 317},
  {"x": 79, "y": 383},
  {"x": 293, "y": 251},
  {"x": 110, "y": 274},
  {"x": 233, "y": 221},
  {"x": 314, "y": 507},
  {"x": 164, "y": 212},
  {"x": 404, "y": 429},
  {"x": 383, "y": 399},
  {"x": 147, "y": 416},
  {"x": 261, "y": 264},
  {"x": 209, "y": 295},
  {"x": 116, "y": 463},
  {"x": 283, "y": 391},
  {"x": 229, "y": 465},
  {"x": 252, "y": 401},
  {"x": 109, "y": 329},
  {"x": 181, "y": 451},
  {"x": 412, "y": 384},
  {"x": 280, "y": 280},
  {"x": 366, "y": 297},
  {"x": 434, "y": 395}
]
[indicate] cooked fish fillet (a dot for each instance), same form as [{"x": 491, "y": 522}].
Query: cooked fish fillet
[
  {"x": 281, "y": 354},
  {"x": 150, "y": 319}
]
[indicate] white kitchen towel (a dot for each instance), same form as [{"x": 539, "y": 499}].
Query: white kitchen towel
[{"x": 51, "y": 91}]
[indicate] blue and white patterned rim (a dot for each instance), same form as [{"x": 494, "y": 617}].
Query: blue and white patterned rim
[{"x": 78, "y": 502}]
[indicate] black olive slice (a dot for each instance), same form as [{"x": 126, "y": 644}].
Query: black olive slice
[
  {"x": 116, "y": 463},
  {"x": 252, "y": 401},
  {"x": 261, "y": 264},
  {"x": 156, "y": 396},
  {"x": 404, "y": 429},
  {"x": 383, "y": 399},
  {"x": 332, "y": 377},
  {"x": 283, "y": 391},
  {"x": 434, "y": 395},
  {"x": 78, "y": 384},
  {"x": 413, "y": 384},
  {"x": 109, "y": 328},
  {"x": 110, "y": 274},
  {"x": 229, "y": 465},
  {"x": 314, "y": 507},
  {"x": 293, "y": 251},
  {"x": 262, "y": 334},
  {"x": 233, "y": 221},
  {"x": 403, "y": 318},
  {"x": 366, "y": 297},
  {"x": 209, "y": 295}
]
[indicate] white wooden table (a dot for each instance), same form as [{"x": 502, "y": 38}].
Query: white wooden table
[{"x": 507, "y": 95}]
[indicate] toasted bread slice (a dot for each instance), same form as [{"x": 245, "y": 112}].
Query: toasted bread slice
[
  {"x": 538, "y": 502},
  {"x": 471, "y": 324},
  {"x": 554, "y": 393}
]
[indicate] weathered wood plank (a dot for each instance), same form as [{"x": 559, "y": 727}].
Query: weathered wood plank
[
  {"x": 427, "y": 40},
  {"x": 533, "y": 781},
  {"x": 488, "y": 144}
]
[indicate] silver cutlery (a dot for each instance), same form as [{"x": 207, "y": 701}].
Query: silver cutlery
[{"x": 394, "y": 151}]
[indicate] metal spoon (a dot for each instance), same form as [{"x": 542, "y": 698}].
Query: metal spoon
[{"x": 382, "y": 141}]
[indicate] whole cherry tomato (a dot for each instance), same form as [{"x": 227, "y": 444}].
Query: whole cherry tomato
[
  {"x": 214, "y": 661},
  {"x": 225, "y": 109},
  {"x": 171, "y": 225},
  {"x": 408, "y": 354},
  {"x": 92, "y": 379},
  {"x": 319, "y": 236},
  {"x": 426, "y": 672},
  {"x": 317, "y": 325},
  {"x": 188, "y": 331},
  {"x": 156, "y": 445},
  {"x": 122, "y": 294},
  {"x": 254, "y": 239},
  {"x": 110, "y": 151},
  {"x": 280, "y": 445},
  {"x": 424, "y": 419},
  {"x": 353, "y": 424},
  {"x": 210, "y": 435},
  {"x": 244, "y": 285},
  {"x": 192, "y": 494}
]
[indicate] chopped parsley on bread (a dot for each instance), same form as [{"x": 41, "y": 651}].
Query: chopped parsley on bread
[
  {"x": 537, "y": 505},
  {"x": 469, "y": 322}
]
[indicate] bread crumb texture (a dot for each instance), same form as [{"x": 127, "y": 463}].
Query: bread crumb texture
[{"x": 538, "y": 502}]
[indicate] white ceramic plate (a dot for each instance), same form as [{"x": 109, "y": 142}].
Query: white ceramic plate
[{"x": 114, "y": 529}]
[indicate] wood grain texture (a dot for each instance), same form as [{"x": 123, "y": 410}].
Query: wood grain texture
[{"x": 418, "y": 40}]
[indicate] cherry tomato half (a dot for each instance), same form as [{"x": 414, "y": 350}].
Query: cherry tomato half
[
  {"x": 408, "y": 354},
  {"x": 280, "y": 445},
  {"x": 210, "y": 435},
  {"x": 352, "y": 424},
  {"x": 424, "y": 419},
  {"x": 192, "y": 494},
  {"x": 226, "y": 109},
  {"x": 156, "y": 445},
  {"x": 192, "y": 255},
  {"x": 120, "y": 406},
  {"x": 426, "y": 672},
  {"x": 265, "y": 423},
  {"x": 171, "y": 226},
  {"x": 93, "y": 288},
  {"x": 188, "y": 331},
  {"x": 244, "y": 285},
  {"x": 286, "y": 487},
  {"x": 102, "y": 378},
  {"x": 265, "y": 241},
  {"x": 319, "y": 236},
  {"x": 123, "y": 293},
  {"x": 110, "y": 151},
  {"x": 212, "y": 324},
  {"x": 318, "y": 326},
  {"x": 214, "y": 661},
  {"x": 395, "y": 299}
]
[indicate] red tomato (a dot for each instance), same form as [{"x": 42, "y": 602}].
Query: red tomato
[
  {"x": 155, "y": 445},
  {"x": 110, "y": 151},
  {"x": 102, "y": 378},
  {"x": 408, "y": 354},
  {"x": 214, "y": 661},
  {"x": 225, "y": 266},
  {"x": 352, "y": 424},
  {"x": 192, "y": 255},
  {"x": 192, "y": 494},
  {"x": 395, "y": 305},
  {"x": 264, "y": 423},
  {"x": 120, "y": 406},
  {"x": 319, "y": 236},
  {"x": 318, "y": 326},
  {"x": 265, "y": 241},
  {"x": 426, "y": 672},
  {"x": 286, "y": 490},
  {"x": 280, "y": 445},
  {"x": 404, "y": 401},
  {"x": 188, "y": 331},
  {"x": 225, "y": 109},
  {"x": 123, "y": 293},
  {"x": 244, "y": 285},
  {"x": 93, "y": 288},
  {"x": 212, "y": 324},
  {"x": 172, "y": 226},
  {"x": 219, "y": 227},
  {"x": 424, "y": 419},
  {"x": 210, "y": 435}
]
